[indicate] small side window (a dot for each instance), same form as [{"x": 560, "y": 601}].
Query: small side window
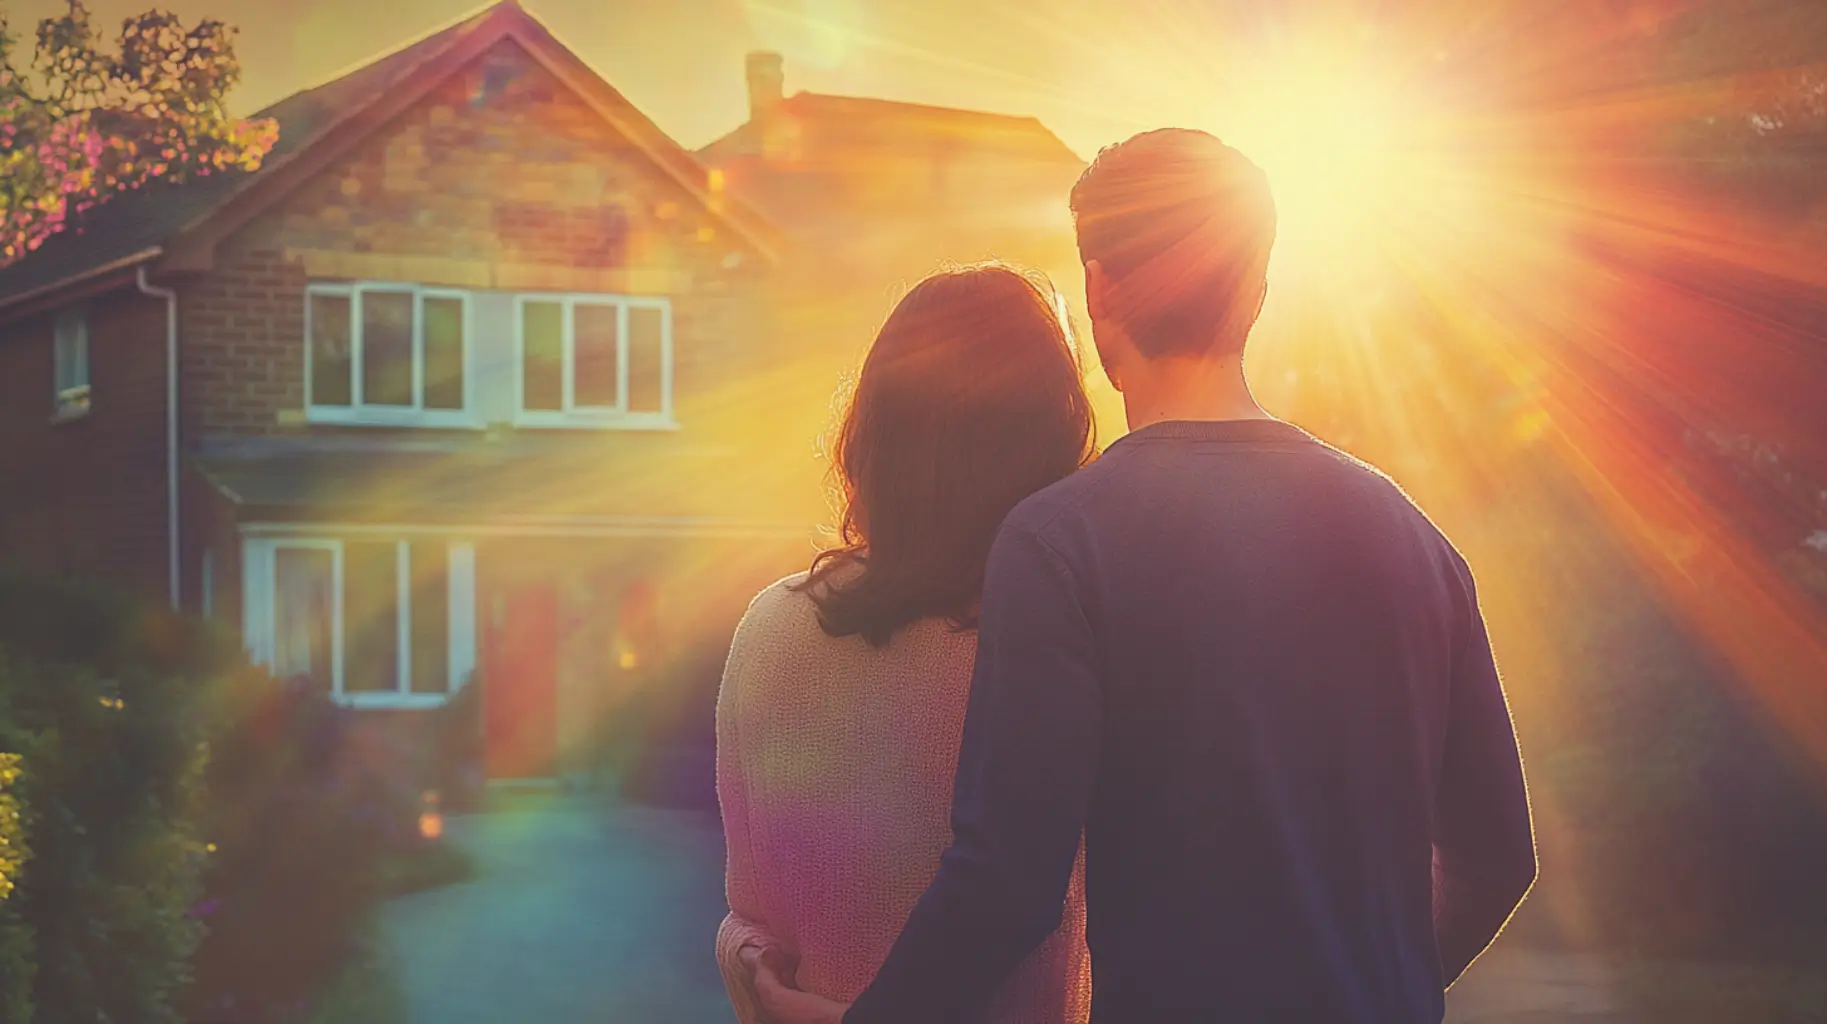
[{"x": 70, "y": 388}]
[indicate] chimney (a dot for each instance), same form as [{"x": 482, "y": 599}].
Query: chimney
[{"x": 767, "y": 83}]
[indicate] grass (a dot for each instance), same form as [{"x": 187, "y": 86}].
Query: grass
[{"x": 365, "y": 991}]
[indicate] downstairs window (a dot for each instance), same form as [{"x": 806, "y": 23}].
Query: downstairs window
[{"x": 375, "y": 623}]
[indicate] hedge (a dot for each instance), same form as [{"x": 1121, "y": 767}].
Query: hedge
[
  {"x": 99, "y": 711},
  {"x": 182, "y": 837}
]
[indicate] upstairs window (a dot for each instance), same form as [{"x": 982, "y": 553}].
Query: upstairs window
[
  {"x": 594, "y": 361},
  {"x": 70, "y": 362},
  {"x": 387, "y": 354}
]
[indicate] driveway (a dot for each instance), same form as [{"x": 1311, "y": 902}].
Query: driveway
[
  {"x": 578, "y": 912},
  {"x": 1511, "y": 985},
  {"x": 581, "y": 911}
]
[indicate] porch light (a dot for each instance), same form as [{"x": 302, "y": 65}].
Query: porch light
[{"x": 431, "y": 820}]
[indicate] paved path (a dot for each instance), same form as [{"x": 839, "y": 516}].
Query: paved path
[
  {"x": 580, "y": 912},
  {"x": 576, "y": 914},
  {"x": 1523, "y": 986}
]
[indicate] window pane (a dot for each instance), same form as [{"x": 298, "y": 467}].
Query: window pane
[
  {"x": 430, "y": 618},
  {"x": 594, "y": 371},
  {"x": 387, "y": 348},
  {"x": 72, "y": 351},
  {"x": 443, "y": 353},
  {"x": 330, "y": 350},
  {"x": 304, "y": 609},
  {"x": 542, "y": 358},
  {"x": 645, "y": 358},
  {"x": 371, "y": 617}
]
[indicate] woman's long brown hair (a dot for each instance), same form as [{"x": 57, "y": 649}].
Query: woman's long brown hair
[{"x": 970, "y": 399}]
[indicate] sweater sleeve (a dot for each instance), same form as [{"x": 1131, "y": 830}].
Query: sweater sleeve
[
  {"x": 735, "y": 933},
  {"x": 1032, "y": 732},
  {"x": 745, "y": 924},
  {"x": 1484, "y": 849}
]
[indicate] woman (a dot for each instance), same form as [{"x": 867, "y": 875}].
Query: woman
[{"x": 842, "y": 705}]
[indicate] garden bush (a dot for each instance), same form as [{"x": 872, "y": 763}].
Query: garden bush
[
  {"x": 106, "y": 752},
  {"x": 456, "y": 765},
  {"x": 182, "y": 837},
  {"x": 300, "y": 833},
  {"x": 15, "y": 939}
]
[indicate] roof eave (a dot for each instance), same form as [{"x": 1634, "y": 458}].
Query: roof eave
[
  {"x": 193, "y": 248},
  {"x": 60, "y": 291}
]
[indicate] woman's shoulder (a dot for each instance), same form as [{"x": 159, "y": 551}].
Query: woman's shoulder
[
  {"x": 783, "y": 599},
  {"x": 791, "y": 600},
  {"x": 784, "y": 615},
  {"x": 781, "y": 613}
]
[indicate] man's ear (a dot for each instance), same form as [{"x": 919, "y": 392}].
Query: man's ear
[
  {"x": 1104, "y": 335},
  {"x": 1097, "y": 285}
]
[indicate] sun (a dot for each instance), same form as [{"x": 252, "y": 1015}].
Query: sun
[
  {"x": 1330, "y": 157},
  {"x": 1346, "y": 156}
]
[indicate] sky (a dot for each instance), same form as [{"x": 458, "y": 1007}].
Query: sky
[{"x": 1095, "y": 71}]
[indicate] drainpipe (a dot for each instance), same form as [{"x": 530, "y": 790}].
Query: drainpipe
[{"x": 173, "y": 566}]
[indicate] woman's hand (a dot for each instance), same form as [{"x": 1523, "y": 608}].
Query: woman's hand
[{"x": 780, "y": 1002}]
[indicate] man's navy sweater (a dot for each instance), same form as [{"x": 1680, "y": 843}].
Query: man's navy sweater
[{"x": 1254, "y": 677}]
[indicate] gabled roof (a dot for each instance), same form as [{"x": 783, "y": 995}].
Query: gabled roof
[
  {"x": 930, "y": 181},
  {"x": 179, "y": 224},
  {"x": 862, "y": 115},
  {"x": 858, "y": 120}
]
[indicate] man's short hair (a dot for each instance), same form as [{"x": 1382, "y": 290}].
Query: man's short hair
[{"x": 1182, "y": 224}]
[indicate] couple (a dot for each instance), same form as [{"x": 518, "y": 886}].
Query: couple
[{"x": 1214, "y": 716}]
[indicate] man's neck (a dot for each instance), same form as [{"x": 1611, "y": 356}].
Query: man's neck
[{"x": 1188, "y": 389}]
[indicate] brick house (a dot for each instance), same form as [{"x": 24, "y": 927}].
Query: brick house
[
  {"x": 480, "y": 378},
  {"x": 459, "y": 381}
]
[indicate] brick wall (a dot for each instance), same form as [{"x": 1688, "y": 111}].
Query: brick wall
[
  {"x": 243, "y": 331},
  {"x": 86, "y": 498},
  {"x": 501, "y": 178}
]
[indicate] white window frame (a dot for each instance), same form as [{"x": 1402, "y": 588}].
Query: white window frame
[
  {"x": 614, "y": 417},
  {"x": 70, "y": 397},
  {"x": 259, "y": 608},
  {"x": 359, "y": 413}
]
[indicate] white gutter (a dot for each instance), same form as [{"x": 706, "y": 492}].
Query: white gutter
[
  {"x": 173, "y": 567},
  {"x": 88, "y": 275}
]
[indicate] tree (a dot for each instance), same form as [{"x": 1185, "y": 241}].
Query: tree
[{"x": 80, "y": 124}]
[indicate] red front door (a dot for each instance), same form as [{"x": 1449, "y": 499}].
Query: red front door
[{"x": 520, "y": 685}]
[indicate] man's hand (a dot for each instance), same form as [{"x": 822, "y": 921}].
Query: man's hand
[{"x": 782, "y": 1004}]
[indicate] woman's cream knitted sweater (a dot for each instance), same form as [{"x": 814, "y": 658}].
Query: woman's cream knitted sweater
[{"x": 834, "y": 770}]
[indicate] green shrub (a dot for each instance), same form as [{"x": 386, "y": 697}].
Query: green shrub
[
  {"x": 205, "y": 843},
  {"x": 365, "y": 991},
  {"x": 302, "y": 823},
  {"x": 108, "y": 748},
  {"x": 15, "y": 936},
  {"x": 314, "y": 815},
  {"x": 455, "y": 766}
]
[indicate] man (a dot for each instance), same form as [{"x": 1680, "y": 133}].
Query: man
[{"x": 1241, "y": 664}]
